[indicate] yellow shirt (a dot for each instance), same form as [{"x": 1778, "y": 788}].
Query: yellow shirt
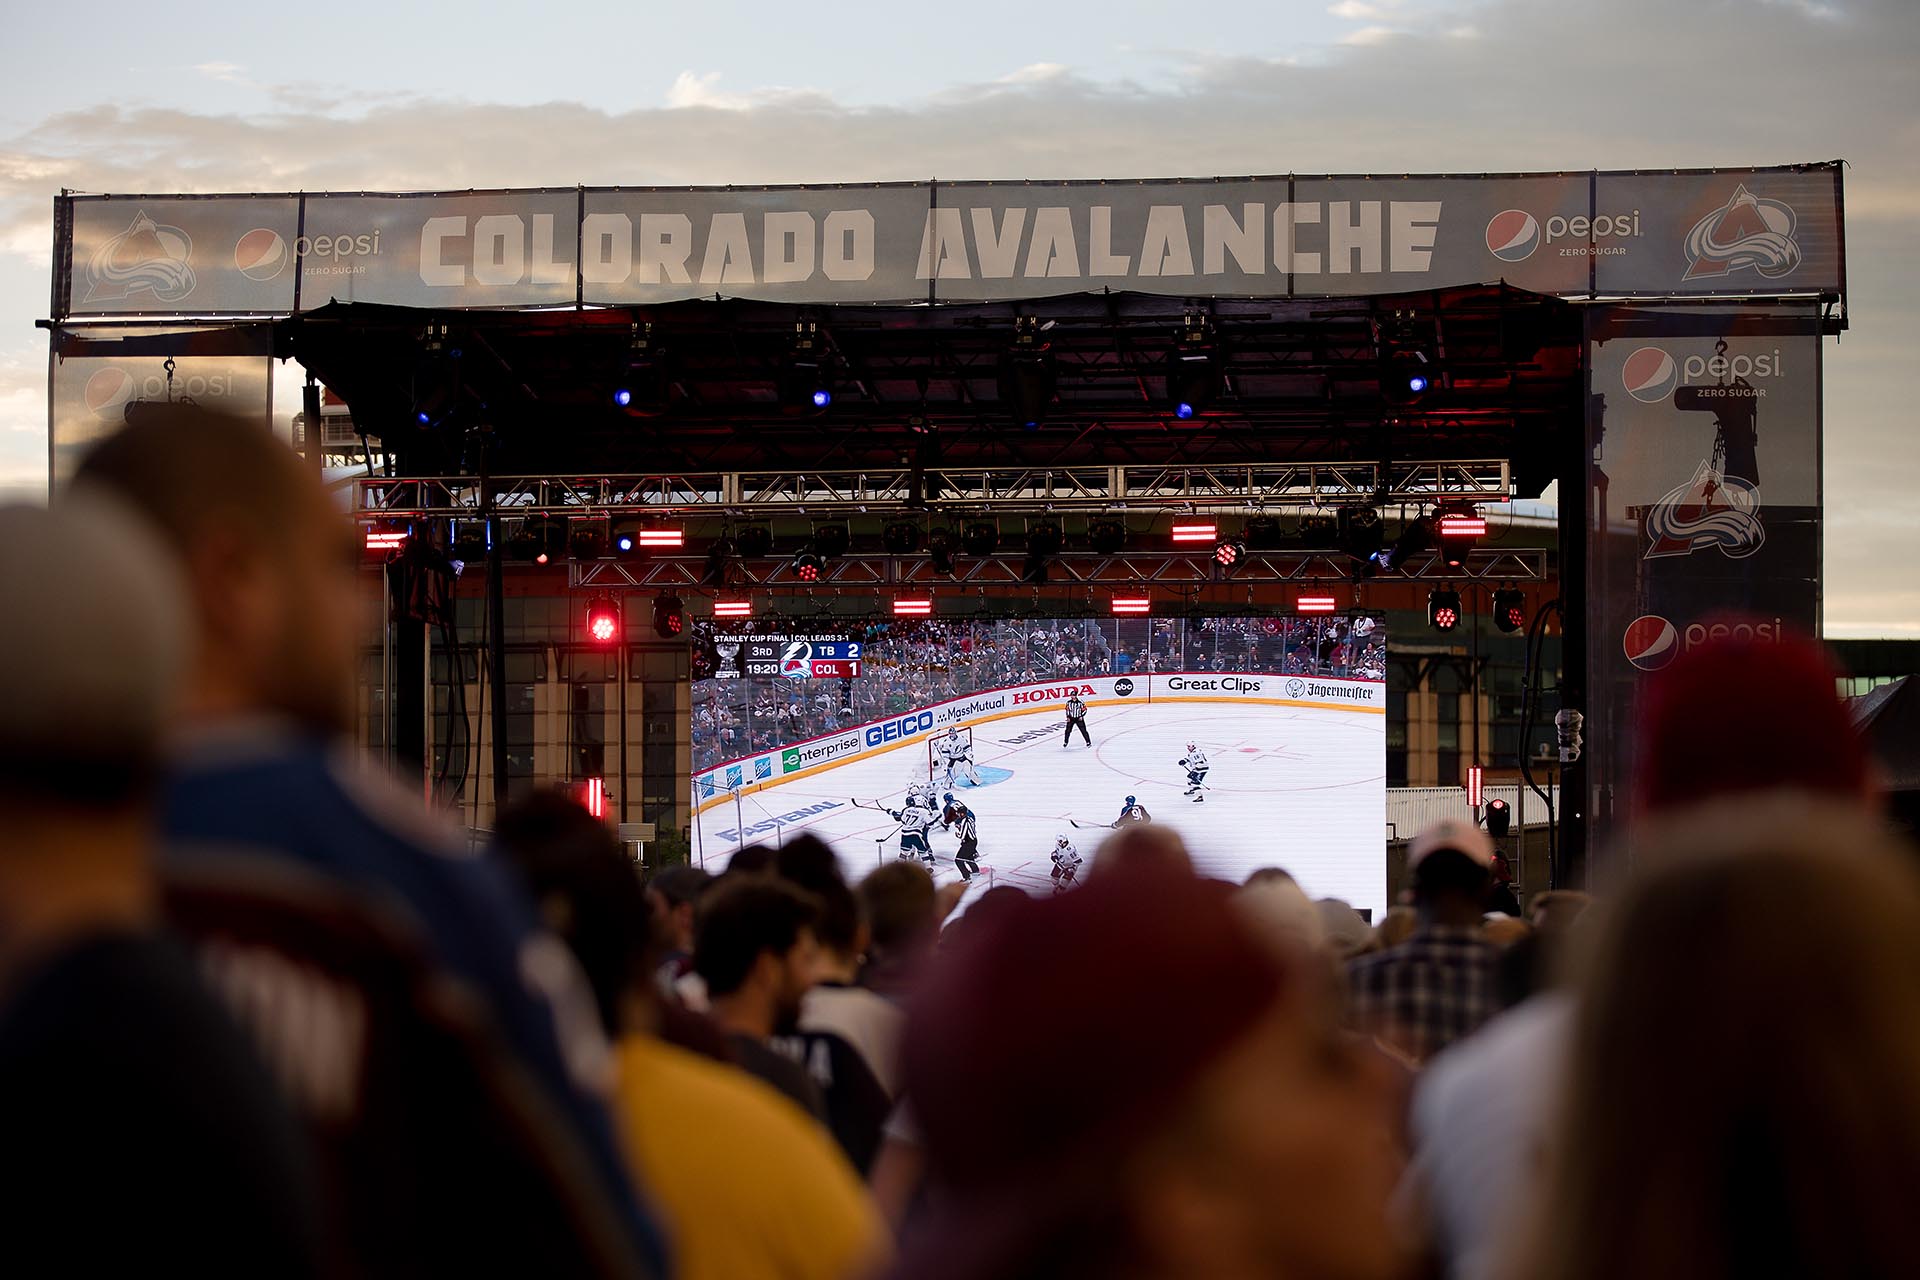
[{"x": 752, "y": 1187}]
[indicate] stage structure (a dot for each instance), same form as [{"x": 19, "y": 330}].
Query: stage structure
[{"x": 1009, "y": 397}]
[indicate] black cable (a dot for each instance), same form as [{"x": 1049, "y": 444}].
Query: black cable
[{"x": 1529, "y": 703}]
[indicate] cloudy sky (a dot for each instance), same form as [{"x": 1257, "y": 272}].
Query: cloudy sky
[{"x": 219, "y": 96}]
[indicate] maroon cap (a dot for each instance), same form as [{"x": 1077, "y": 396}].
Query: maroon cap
[
  {"x": 1064, "y": 1033},
  {"x": 1737, "y": 714}
]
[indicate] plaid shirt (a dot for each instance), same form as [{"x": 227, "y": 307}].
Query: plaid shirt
[{"x": 1429, "y": 991}]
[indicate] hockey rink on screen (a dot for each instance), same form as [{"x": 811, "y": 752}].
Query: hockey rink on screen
[{"x": 1297, "y": 787}]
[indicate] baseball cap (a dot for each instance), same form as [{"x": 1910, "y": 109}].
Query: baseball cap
[
  {"x": 92, "y": 642},
  {"x": 1456, "y": 834}
]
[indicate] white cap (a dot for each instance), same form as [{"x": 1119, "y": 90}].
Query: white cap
[
  {"x": 1280, "y": 913},
  {"x": 1456, "y": 834},
  {"x": 93, "y": 638}
]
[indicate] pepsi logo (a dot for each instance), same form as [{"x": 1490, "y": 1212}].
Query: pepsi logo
[
  {"x": 107, "y": 393},
  {"x": 261, "y": 254},
  {"x": 1650, "y": 375},
  {"x": 1513, "y": 235},
  {"x": 1651, "y": 642}
]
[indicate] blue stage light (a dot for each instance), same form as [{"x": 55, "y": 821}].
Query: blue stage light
[
  {"x": 1183, "y": 410},
  {"x": 822, "y": 398},
  {"x": 623, "y": 397}
]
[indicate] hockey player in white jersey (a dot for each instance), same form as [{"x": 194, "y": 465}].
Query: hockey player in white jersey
[
  {"x": 1195, "y": 763},
  {"x": 1066, "y": 864},
  {"x": 914, "y": 821},
  {"x": 957, "y": 752}
]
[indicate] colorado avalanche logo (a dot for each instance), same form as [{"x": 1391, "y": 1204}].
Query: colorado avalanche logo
[
  {"x": 1513, "y": 235},
  {"x": 1650, "y": 375},
  {"x": 145, "y": 258},
  {"x": 1710, "y": 510},
  {"x": 795, "y": 661},
  {"x": 1747, "y": 231}
]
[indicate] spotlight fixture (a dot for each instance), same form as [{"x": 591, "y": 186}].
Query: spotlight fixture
[
  {"x": 603, "y": 620},
  {"x": 436, "y": 377},
  {"x": 1499, "y": 818},
  {"x": 387, "y": 538},
  {"x": 1443, "y": 609},
  {"x": 901, "y": 538},
  {"x": 669, "y": 617},
  {"x": 980, "y": 538},
  {"x": 1193, "y": 368},
  {"x": 755, "y": 542},
  {"x": 1359, "y": 532},
  {"x": 1318, "y": 531},
  {"x": 1027, "y": 375},
  {"x": 806, "y": 566},
  {"x": 1264, "y": 533},
  {"x": 587, "y": 537},
  {"x": 720, "y": 557},
  {"x": 805, "y": 388},
  {"x": 642, "y": 386},
  {"x": 469, "y": 542},
  {"x": 1406, "y": 373},
  {"x": 541, "y": 540},
  {"x": 831, "y": 541},
  {"x": 1415, "y": 538},
  {"x": 1044, "y": 540},
  {"x": 1228, "y": 553},
  {"x": 1106, "y": 536},
  {"x": 941, "y": 545},
  {"x": 1509, "y": 609},
  {"x": 1457, "y": 530}
]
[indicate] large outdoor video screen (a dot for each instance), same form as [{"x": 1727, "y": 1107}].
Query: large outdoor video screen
[{"x": 825, "y": 729}]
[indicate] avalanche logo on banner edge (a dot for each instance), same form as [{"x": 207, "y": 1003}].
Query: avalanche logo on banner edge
[
  {"x": 1748, "y": 231},
  {"x": 146, "y": 256},
  {"x": 1709, "y": 510}
]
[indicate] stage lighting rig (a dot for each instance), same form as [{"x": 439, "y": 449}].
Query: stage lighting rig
[
  {"x": 1027, "y": 375},
  {"x": 1509, "y": 609},
  {"x": 1360, "y": 531},
  {"x": 1106, "y": 536},
  {"x": 831, "y": 540},
  {"x": 603, "y": 620},
  {"x": 941, "y": 545},
  {"x": 1265, "y": 533},
  {"x": 1443, "y": 609},
  {"x": 901, "y": 538},
  {"x": 669, "y": 617},
  {"x": 1193, "y": 368},
  {"x": 1044, "y": 540},
  {"x": 1415, "y": 538},
  {"x": 1228, "y": 553},
  {"x": 720, "y": 558},
  {"x": 587, "y": 537},
  {"x": 980, "y": 538},
  {"x": 755, "y": 542},
  {"x": 807, "y": 566},
  {"x": 1457, "y": 530},
  {"x": 641, "y": 386},
  {"x": 806, "y": 390}
]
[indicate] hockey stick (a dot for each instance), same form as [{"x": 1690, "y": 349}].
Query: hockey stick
[
  {"x": 867, "y": 804},
  {"x": 1093, "y": 826}
]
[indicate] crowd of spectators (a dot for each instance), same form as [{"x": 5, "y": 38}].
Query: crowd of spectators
[
  {"x": 260, "y": 1015},
  {"x": 919, "y": 663}
]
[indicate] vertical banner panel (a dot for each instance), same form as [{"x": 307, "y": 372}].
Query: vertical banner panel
[
  {"x": 1746, "y": 231},
  {"x": 1387, "y": 235},
  {"x": 478, "y": 249},
  {"x": 183, "y": 255},
  {"x": 1705, "y": 512}
]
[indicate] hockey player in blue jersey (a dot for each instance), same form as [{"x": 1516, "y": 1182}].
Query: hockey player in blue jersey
[{"x": 1132, "y": 811}]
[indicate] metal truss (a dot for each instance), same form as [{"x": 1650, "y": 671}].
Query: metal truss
[
  {"x": 1013, "y": 489},
  {"x": 1071, "y": 569}
]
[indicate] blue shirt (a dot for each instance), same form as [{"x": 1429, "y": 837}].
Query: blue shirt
[{"x": 272, "y": 792}]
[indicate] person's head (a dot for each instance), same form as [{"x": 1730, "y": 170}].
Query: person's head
[
  {"x": 754, "y": 860},
  {"x": 1347, "y": 932},
  {"x": 93, "y": 639},
  {"x": 754, "y": 947},
  {"x": 1746, "y": 1059},
  {"x": 1142, "y": 844},
  {"x": 1267, "y": 875},
  {"x": 1449, "y": 867},
  {"x": 1556, "y": 910},
  {"x": 1712, "y": 723},
  {"x": 586, "y": 891},
  {"x": 267, "y": 560},
  {"x": 901, "y": 909},
  {"x": 1395, "y": 927},
  {"x": 675, "y": 894},
  {"x": 1217, "y": 1123}
]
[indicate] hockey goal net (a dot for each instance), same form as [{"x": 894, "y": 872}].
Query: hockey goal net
[{"x": 936, "y": 761}]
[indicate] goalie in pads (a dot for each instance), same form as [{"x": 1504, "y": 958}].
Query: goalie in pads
[
  {"x": 957, "y": 752},
  {"x": 1066, "y": 864}
]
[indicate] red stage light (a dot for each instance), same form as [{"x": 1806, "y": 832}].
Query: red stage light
[
  {"x": 603, "y": 622},
  {"x": 913, "y": 608},
  {"x": 1315, "y": 604},
  {"x": 1191, "y": 531},
  {"x": 1474, "y": 774},
  {"x": 732, "y": 608},
  {"x": 1132, "y": 604}
]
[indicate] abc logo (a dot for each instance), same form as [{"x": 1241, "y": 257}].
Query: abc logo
[
  {"x": 1651, "y": 642},
  {"x": 1513, "y": 235},
  {"x": 1123, "y": 686},
  {"x": 261, "y": 254}
]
